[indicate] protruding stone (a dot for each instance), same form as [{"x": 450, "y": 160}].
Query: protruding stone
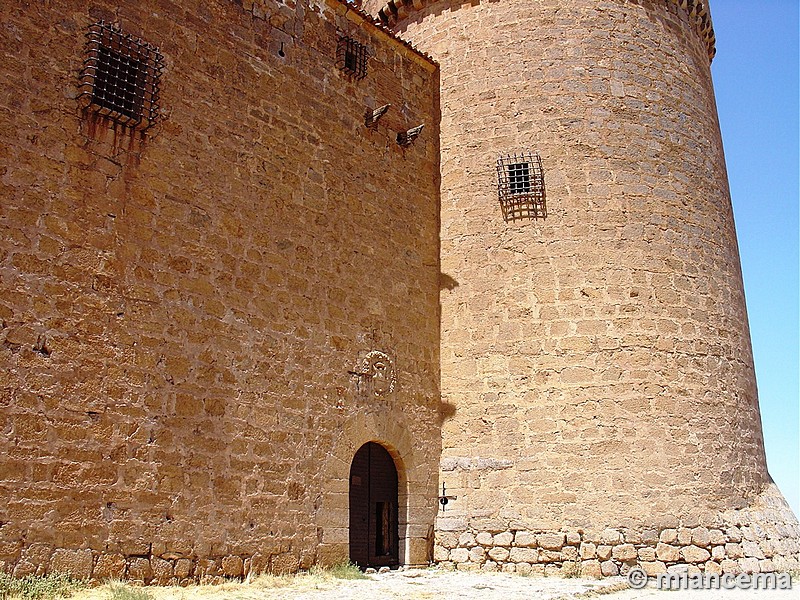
[
  {"x": 694, "y": 554},
  {"x": 647, "y": 554},
  {"x": 525, "y": 539},
  {"x": 624, "y": 552},
  {"x": 667, "y": 553},
  {"x": 591, "y": 568},
  {"x": 749, "y": 565},
  {"x": 734, "y": 534},
  {"x": 529, "y": 555},
  {"x": 653, "y": 568},
  {"x": 730, "y": 566},
  {"x": 604, "y": 552},
  {"x": 684, "y": 536},
  {"x": 551, "y": 541},
  {"x": 588, "y": 550},
  {"x": 76, "y": 563},
  {"x": 459, "y": 555},
  {"x": 109, "y": 566},
  {"x": 734, "y": 551},
  {"x": 448, "y": 539},
  {"x": 716, "y": 537},
  {"x": 503, "y": 539},
  {"x": 466, "y": 540},
  {"x": 477, "y": 554},
  {"x": 484, "y": 538},
  {"x": 701, "y": 537},
  {"x": 611, "y": 536},
  {"x": 139, "y": 570},
  {"x": 712, "y": 568},
  {"x": 440, "y": 553},
  {"x": 609, "y": 568},
  {"x": 498, "y": 553},
  {"x": 752, "y": 550},
  {"x": 668, "y": 536},
  {"x": 573, "y": 538},
  {"x": 183, "y": 568}
]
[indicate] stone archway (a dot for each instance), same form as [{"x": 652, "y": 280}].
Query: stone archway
[
  {"x": 373, "y": 508},
  {"x": 417, "y": 477}
]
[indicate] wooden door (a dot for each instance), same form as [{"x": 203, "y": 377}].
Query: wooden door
[{"x": 373, "y": 508}]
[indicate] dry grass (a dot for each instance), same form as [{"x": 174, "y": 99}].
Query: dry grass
[{"x": 263, "y": 586}]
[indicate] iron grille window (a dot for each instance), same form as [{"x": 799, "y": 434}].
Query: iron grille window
[
  {"x": 351, "y": 57},
  {"x": 520, "y": 186},
  {"x": 120, "y": 76}
]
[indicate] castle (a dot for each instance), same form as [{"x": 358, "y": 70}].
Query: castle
[{"x": 290, "y": 282}]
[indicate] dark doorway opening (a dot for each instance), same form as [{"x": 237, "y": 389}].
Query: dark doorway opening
[{"x": 373, "y": 508}]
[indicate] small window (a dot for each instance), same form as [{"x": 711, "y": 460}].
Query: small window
[
  {"x": 120, "y": 76},
  {"x": 351, "y": 57},
  {"x": 520, "y": 186}
]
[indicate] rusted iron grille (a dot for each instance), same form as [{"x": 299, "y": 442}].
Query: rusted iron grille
[
  {"x": 351, "y": 57},
  {"x": 120, "y": 76},
  {"x": 520, "y": 186}
]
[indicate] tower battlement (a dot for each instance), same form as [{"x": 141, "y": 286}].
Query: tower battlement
[{"x": 394, "y": 12}]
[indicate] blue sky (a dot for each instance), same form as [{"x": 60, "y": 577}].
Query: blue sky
[{"x": 756, "y": 83}]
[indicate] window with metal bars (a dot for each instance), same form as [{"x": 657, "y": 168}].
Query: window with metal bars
[
  {"x": 520, "y": 186},
  {"x": 120, "y": 76},
  {"x": 351, "y": 57}
]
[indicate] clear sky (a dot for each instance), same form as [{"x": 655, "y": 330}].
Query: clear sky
[{"x": 756, "y": 82}]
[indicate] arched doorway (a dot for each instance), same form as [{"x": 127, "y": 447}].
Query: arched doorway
[{"x": 373, "y": 508}]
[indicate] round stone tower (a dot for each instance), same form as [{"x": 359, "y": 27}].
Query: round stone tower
[{"x": 596, "y": 357}]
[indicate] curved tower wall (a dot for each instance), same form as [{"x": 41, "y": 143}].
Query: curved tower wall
[{"x": 597, "y": 361}]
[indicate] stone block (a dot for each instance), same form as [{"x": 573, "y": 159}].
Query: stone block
[
  {"x": 604, "y": 552},
  {"x": 653, "y": 568},
  {"x": 734, "y": 551},
  {"x": 477, "y": 554},
  {"x": 749, "y": 565},
  {"x": 551, "y": 541},
  {"x": 668, "y": 536},
  {"x": 527, "y": 555},
  {"x": 684, "y": 536},
  {"x": 499, "y": 554},
  {"x": 609, "y": 568},
  {"x": 701, "y": 537},
  {"x": 588, "y": 550},
  {"x": 752, "y": 549},
  {"x": 232, "y": 566},
  {"x": 76, "y": 563},
  {"x": 667, "y": 553},
  {"x": 466, "y": 540},
  {"x": 525, "y": 539},
  {"x": 716, "y": 537},
  {"x": 624, "y": 552},
  {"x": 139, "y": 569},
  {"x": 503, "y": 539},
  {"x": 484, "y": 538},
  {"x": 695, "y": 554},
  {"x": 459, "y": 555},
  {"x": 591, "y": 569},
  {"x": 647, "y": 554},
  {"x": 109, "y": 566},
  {"x": 611, "y": 537},
  {"x": 183, "y": 568}
]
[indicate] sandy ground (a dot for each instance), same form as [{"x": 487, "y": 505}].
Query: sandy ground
[{"x": 434, "y": 584}]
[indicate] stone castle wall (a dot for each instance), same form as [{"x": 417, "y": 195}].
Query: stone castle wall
[
  {"x": 596, "y": 362},
  {"x": 183, "y": 312}
]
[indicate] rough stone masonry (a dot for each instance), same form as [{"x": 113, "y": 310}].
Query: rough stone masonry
[{"x": 596, "y": 358}]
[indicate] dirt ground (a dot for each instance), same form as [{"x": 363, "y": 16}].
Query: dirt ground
[{"x": 436, "y": 584}]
